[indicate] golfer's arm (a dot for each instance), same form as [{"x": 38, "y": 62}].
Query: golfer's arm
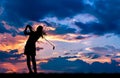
[{"x": 25, "y": 31}]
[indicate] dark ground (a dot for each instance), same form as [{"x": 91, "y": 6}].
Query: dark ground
[{"x": 57, "y": 75}]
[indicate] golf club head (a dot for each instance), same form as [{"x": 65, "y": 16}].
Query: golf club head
[{"x": 53, "y": 47}]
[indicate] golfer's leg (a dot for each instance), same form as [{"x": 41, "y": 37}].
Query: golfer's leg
[
  {"x": 29, "y": 64},
  {"x": 34, "y": 64}
]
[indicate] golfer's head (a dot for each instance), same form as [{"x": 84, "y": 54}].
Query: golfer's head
[{"x": 39, "y": 29}]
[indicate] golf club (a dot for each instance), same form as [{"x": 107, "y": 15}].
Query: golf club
[{"x": 49, "y": 43}]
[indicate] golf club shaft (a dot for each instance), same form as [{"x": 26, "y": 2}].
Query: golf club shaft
[{"x": 48, "y": 41}]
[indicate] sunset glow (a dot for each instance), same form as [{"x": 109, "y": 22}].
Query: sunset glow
[{"x": 85, "y": 33}]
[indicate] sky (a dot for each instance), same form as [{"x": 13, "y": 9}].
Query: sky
[{"x": 86, "y": 35}]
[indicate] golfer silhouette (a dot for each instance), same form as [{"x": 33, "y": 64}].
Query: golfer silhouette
[{"x": 30, "y": 47}]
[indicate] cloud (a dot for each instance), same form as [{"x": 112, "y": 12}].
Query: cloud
[
  {"x": 9, "y": 61},
  {"x": 1, "y": 10},
  {"x": 68, "y": 24},
  {"x": 5, "y": 56},
  {"x": 8, "y": 29},
  {"x": 95, "y": 28},
  {"x": 12, "y": 62},
  {"x": 3, "y": 70},
  {"x": 100, "y": 54},
  {"x": 68, "y": 37},
  {"x": 91, "y": 55},
  {"x": 2, "y": 29},
  {"x": 61, "y": 30},
  {"x": 94, "y": 19},
  {"x": 7, "y": 67},
  {"x": 106, "y": 50},
  {"x": 34, "y": 10},
  {"x": 95, "y": 54},
  {"x": 9, "y": 42},
  {"x": 61, "y": 64},
  {"x": 17, "y": 12},
  {"x": 107, "y": 14}
]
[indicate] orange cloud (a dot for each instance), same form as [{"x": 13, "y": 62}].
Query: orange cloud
[
  {"x": 8, "y": 42},
  {"x": 20, "y": 67},
  {"x": 65, "y": 38},
  {"x": 9, "y": 66},
  {"x": 101, "y": 59}
]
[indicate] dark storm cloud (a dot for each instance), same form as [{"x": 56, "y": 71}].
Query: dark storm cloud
[
  {"x": 2, "y": 29},
  {"x": 3, "y": 70},
  {"x": 106, "y": 49},
  {"x": 61, "y": 64},
  {"x": 18, "y": 12},
  {"x": 1, "y": 1},
  {"x": 107, "y": 11},
  {"x": 5, "y": 28},
  {"x": 92, "y": 55},
  {"x": 9, "y": 14},
  {"x": 95, "y": 28},
  {"x": 5, "y": 56},
  {"x": 9, "y": 60},
  {"x": 36, "y": 9},
  {"x": 59, "y": 28},
  {"x": 64, "y": 30},
  {"x": 82, "y": 37}
]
